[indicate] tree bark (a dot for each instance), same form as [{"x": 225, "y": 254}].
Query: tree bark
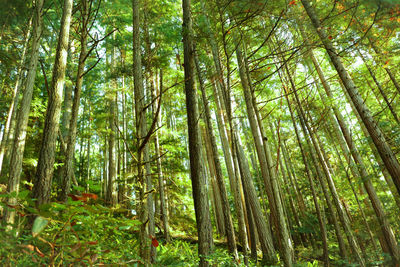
[
  {"x": 262, "y": 224},
  {"x": 230, "y": 234},
  {"x": 366, "y": 180},
  {"x": 44, "y": 172},
  {"x": 68, "y": 168},
  {"x": 198, "y": 181},
  {"x": 9, "y": 126},
  {"x": 268, "y": 174},
  {"x": 386, "y": 153},
  {"x": 18, "y": 145}
]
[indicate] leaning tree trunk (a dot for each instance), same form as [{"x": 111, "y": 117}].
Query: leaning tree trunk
[
  {"x": 342, "y": 215},
  {"x": 321, "y": 222},
  {"x": 268, "y": 174},
  {"x": 262, "y": 224},
  {"x": 146, "y": 150},
  {"x": 386, "y": 153},
  {"x": 198, "y": 181},
  {"x": 9, "y": 126},
  {"x": 376, "y": 203},
  {"x": 18, "y": 146},
  {"x": 319, "y": 175},
  {"x": 381, "y": 91}
]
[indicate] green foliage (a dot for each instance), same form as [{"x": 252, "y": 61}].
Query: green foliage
[{"x": 76, "y": 233}]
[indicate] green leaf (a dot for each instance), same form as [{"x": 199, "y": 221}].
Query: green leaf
[
  {"x": 59, "y": 206},
  {"x": 23, "y": 194},
  {"x": 38, "y": 225}
]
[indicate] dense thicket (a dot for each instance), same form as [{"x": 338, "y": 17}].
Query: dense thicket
[{"x": 260, "y": 132}]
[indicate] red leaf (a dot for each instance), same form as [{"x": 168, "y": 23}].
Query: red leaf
[
  {"x": 90, "y": 195},
  {"x": 291, "y": 3},
  {"x": 330, "y": 37},
  {"x": 154, "y": 242},
  {"x": 92, "y": 242},
  {"x": 268, "y": 68},
  {"x": 76, "y": 197}
]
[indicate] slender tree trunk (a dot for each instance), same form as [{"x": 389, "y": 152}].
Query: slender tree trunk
[
  {"x": 381, "y": 91},
  {"x": 321, "y": 222},
  {"x": 23, "y": 113},
  {"x": 262, "y": 224},
  {"x": 219, "y": 215},
  {"x": 342, "y": 248},
  {"x": 234, "y": 179},
  {"x": 198, "y": 181},
  {"x": 376, "y": 204},
  {"x": 342, "y": 215},
  {"x": 230, "y": 234},
  {"x": 388, "y": 71},
  {"x": 68, "y": 168},
  {"x": 267, "y": 172},
  {"x": 9, "y": 126},
  {"x": 111, "y": 196},
  {"x": 141, "y": 131},
  {"x": 386, "y": 153},
  {"x": 146, "y": 150},
  {"x": 161, "y": 182}
]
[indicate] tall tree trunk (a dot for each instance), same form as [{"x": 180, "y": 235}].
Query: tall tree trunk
[
  {"x": 219, "y": 215},
  {"x": 388, "y": 71},
  {"x": 234, "y": 178},
  {"x": 146, "y": 150},
  {"x": 342, "y": 215},
  {"x": 44, "y": 171},
  {"x": 319, "y": 175},
  {"x": 386, "y": 153},
  {"x": 376, "y": 204},
  {"x": 268, "y": 174},
  {"x": 68, "y": 168},
  {"x": 18, "y": 145},
  {"x": 9, "y": 126},
  {"x": 111, "y": 196},
  {"x": 198, "y": 181},
  {"x": 261, "y": 223},
  {"x": 321, "y": 222},
  {"x": 141, "y": 131},
  {"x": 230, "y": 234},
  {"x": 381, "y": 91},
  {"x": 161, "y": 182}
]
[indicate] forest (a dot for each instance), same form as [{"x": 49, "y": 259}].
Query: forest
[{"x": 199, "y": 133}]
